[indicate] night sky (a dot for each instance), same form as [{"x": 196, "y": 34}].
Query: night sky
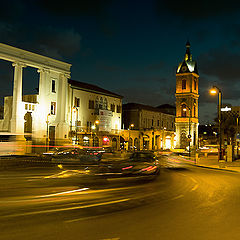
[{"x": 129, "y": 47}]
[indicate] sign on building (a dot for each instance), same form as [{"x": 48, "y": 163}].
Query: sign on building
[{"x": 105, "y": 120}]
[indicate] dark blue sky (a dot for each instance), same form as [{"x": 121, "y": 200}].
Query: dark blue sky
[{"x": 129, "y": 47}]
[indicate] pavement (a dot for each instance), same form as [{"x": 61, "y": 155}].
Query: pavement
[{"x": 212, "y": 161}]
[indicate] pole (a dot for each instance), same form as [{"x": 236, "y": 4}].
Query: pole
[
  {"x": 220, "y": 121},
  {"x": 189, "y": 132}
]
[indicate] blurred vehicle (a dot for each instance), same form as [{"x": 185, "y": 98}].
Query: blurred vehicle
[
  {"x": 139, "y": 163},
  {"x": 73, "y": 154},
  {"x": 10, "y": 145},
  {"x": 209, "y": 149}
]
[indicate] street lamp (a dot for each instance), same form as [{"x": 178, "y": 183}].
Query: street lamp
[
  {"x": 130, "y": 127},
  {"x": 214, "y": 90},
  {"x": 189, "y": 128},
  {"x": 75, "y": 109}
]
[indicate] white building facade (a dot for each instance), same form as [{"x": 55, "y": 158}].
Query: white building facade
[{"x": 47, "y": 118}]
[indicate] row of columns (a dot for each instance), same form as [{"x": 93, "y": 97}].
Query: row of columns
[{"x": 17, "y": 119}]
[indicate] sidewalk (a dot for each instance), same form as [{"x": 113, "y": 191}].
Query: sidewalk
[{"x": 212, "y": 162}]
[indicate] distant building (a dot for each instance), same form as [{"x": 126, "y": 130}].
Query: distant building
[
  {"x": 167, "y": 108},
  {"x": 151, "y": 128}
]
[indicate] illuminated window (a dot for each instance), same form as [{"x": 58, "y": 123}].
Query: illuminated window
[
  {"x": 184, "y": 83},
  {"x": 53, "y": 86},
  {"x": 53, "y": 108},
  {"x": 184, "y": 112}
]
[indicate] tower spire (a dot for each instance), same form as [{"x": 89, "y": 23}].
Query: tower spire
[{"x": 188, "y": 55}]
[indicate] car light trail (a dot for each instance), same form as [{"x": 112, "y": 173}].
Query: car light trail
[{"x": 62, "y": 193}]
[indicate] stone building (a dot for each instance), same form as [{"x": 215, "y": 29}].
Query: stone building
[
  {"x": 61, "y": 108},
  {"x": 186, "y": 121},
  {"x": 148, "y": 127}
]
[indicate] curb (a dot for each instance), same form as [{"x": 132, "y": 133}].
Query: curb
[{"x": 220, "y": 169}]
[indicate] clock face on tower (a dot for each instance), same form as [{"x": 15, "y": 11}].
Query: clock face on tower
[{"x": 184, "y": 68}]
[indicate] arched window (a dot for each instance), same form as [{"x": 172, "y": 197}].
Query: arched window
[
  {"x": 97, "y": 103},
  {"x": 101, "y": 103},
  {"x": 105, "y": 104},
  {"x": 184, "y": 110}
]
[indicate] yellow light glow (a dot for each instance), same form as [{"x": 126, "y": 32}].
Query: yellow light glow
[
  {"x": 184, "y": 109},
  {"x": 97, "y": 122},
  {"x": 213, "y": 91},
  {"x": 132, "y": 125}
]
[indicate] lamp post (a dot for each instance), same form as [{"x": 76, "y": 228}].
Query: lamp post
[
  {"x": 131, "y": 126},
  {"x": 76, "y": 121},
  {"x": 189, "y": 128},
  {"x": 94, "y": 128},
  {"x": 214, "y": 90},
  {"x": 47, "y": 122}
]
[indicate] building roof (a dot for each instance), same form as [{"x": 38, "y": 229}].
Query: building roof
[
  {"x": 187, "y": 65},
  {"x": 92, "y": 88},
  {"x": 132, "y": 106}
]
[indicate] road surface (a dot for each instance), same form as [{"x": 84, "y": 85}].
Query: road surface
[{"x": 183, "y": 202}]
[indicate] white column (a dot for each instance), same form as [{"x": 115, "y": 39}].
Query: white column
[
  {"x": 17, "y": 120},
  {"x": 62, "y": 106},
  {"x": 43, "y": 108}
]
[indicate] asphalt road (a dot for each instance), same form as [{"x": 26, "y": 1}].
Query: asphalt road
[{"x": 183, "y": 202}]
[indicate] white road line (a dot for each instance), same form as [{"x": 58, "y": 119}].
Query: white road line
[
  {"x": 195, "y": 187},
  {"x": 61, "y": 193},
  {"x": 70, "y": 208},
  {"x": 177, "y": 197}
]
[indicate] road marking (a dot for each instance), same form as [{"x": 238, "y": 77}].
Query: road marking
[
  {"x": 195, "y": 187},
  {"x": 61, "y": 193},
  {"x": 177, "y": 197},
  {"x": 193, "y": 180},
  {"x": 70, "y": 208}
]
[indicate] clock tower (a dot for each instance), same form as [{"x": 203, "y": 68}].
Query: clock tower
[{"x": 186, "y": 120}]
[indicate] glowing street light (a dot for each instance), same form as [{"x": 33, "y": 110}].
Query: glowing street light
[
  {"x": 130, "y": 127},
  {"x": 213, "y": 91}
]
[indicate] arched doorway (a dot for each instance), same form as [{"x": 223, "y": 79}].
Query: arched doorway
[
  {"x": 122, "y": 143},
  {"x": 95, "y": 141},
  {"x": 130, "y": 144},
  {"x": 28, "y": 126},
  {"x": 136, "y": 144},
  {"x": 114, "y": 143}
]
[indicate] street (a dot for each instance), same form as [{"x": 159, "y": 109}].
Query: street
[{"x": 183, "y": 202}]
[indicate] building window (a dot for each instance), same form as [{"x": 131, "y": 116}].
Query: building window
[
  {"x": 53, "y": 86},
  {"x": 77, "y": 102},
  {"x": 158, "y": 122},
  {"x": 195, "y": 84},
  {"x": 91, "y": 104},
  {"x": 26, "y": 106},
  {"x": 119, "y": 109},
  {"x": 105, "y": 104},
  {"x": 53, "y": 108},
  {"x": 152, "y": 122},
  {"x": 112, "y": 107},
  {"x": 33, "y": 107},
  {"x": 184, "y": 83}
]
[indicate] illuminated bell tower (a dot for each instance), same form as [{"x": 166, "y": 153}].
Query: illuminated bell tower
[{"x": 186, "y": 120}]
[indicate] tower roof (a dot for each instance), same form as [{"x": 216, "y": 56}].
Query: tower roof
[{"x": 187, "y": 65}]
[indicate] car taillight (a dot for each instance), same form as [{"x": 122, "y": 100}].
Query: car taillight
[
  {"x": 150, "y": 168},
  {"x": 125, "y": 168}
]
